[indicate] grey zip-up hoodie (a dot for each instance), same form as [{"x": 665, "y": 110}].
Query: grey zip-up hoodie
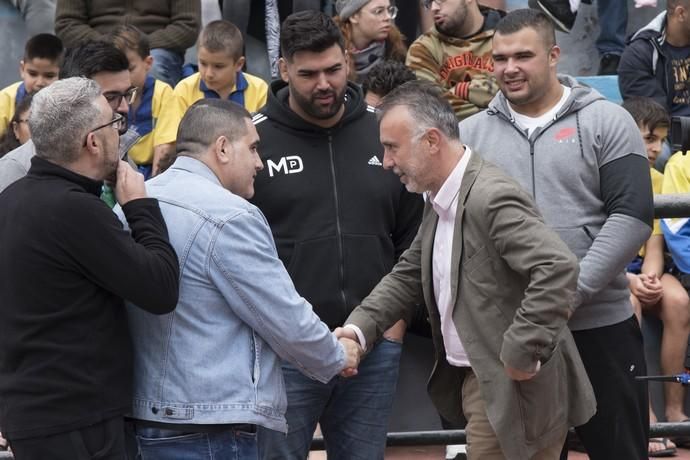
[{"x": 588, "y": 173}]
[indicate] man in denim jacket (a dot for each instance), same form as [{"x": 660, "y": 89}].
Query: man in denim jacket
[{"x": 206, "y": 376}]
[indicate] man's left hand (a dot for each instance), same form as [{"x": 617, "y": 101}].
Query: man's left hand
[{"x": 518, "y": 375}]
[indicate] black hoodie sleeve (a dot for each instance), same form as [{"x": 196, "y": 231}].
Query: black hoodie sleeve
[{"x": 408, "y": 218}]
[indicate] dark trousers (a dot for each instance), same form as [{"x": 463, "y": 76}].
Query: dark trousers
[
  {"x": 102, "y": 441},
  {"x": 613, "y": 356}
]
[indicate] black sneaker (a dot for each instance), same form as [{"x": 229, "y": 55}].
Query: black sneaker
[
  {"x": 558, "y": 11},
  {"x": 609, "y": 64}
]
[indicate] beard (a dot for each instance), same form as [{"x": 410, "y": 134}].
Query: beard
[
  {"x": 313, "y": 108},
  {"x": 110, "y": 170},
  {"x": 453, "y": 23}
]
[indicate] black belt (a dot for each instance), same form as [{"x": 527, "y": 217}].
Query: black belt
[{"x": 195, "y": 428}]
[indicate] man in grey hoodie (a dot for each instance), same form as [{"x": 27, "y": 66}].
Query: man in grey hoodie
[{"x": 583, "y": 160}]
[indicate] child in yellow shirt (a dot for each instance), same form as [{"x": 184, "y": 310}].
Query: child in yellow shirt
[
  {"x": 154, "y": 112},
  {"x": 39, "y": 67},
  {"x": 653, "y": 289},
  {"x": 220, "y": 73}
]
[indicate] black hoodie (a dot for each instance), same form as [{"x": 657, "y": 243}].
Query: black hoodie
[
  {"x": 339, "y": 220},
  {"x": 645, "y": 67}
]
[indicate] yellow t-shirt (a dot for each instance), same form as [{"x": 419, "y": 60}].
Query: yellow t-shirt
[
  {"x": 8, "y": 99},
  {"x": 657, "y": 189},
  {"x": 156, "y": 120},
  {"x": 657, "y": 186},
  {"x": 249, "y": 91}
]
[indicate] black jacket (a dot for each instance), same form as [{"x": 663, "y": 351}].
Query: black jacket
[
  {"x": 66, "y": 264},
  {"x": 340, "y": 221},
  {"x": 644, "y": 69}
]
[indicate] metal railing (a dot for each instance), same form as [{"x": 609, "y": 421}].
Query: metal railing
[
  {"x": 446, "y": 437},
  {"x": 672, "y": 206}
]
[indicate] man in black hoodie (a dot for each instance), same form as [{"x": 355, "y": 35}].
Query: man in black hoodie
[
  {"x": 656, "y": 61},
  {"x": 340, "y": 222},
  {"x": 66, "y": 264}
]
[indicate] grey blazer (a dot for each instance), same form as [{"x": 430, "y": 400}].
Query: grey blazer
[{"x": 513, "y": 285}]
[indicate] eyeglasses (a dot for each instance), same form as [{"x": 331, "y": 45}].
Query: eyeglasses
[
  {"x": 427, "y": 3},
  {"x": 115, "y": 98},
  {"x": 118, "y": 122},
  {"x": 381, "y": 10}
]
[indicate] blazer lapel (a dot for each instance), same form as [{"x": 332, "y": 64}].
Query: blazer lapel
[{"x": 468, "y": 179}]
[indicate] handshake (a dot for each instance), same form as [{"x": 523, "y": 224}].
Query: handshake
[{"x": 353, "y": 350}]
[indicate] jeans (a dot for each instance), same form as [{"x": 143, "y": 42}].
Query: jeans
[
  {"x": 353, "y": 413},
  {"x": 613, "y": 20},
  {"x": 165, "y": 444},
  {"x": 167, "y": 65}
]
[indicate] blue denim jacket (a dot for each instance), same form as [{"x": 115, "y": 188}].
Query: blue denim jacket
[{"x": 216, "y": 358}]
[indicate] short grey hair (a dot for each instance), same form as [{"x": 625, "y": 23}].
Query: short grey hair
[
  {"x": 427, "y": 107},
  {"x": 205, "y": 121},
  {"x": 62, "y": 115}
]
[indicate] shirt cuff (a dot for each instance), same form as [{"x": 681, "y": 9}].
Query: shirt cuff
[{"x": 359, "y": 334}]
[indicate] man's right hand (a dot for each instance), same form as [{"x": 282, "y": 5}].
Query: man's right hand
[
  {"x": 130, "y": 184},
  {"x": 353, "y": 353}
]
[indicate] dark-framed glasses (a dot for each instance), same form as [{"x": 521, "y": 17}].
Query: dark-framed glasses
[
  {"x": 381, "y": 10},
  {"x": 115, "y": 99},
  {"x": 118, "y": 122}
]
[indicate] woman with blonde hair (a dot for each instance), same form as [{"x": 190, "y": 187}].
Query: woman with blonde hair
[{"x": 370, "y": 34}]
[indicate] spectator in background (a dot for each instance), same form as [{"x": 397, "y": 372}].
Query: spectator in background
[
  {"x": 339, "y": 222},
  {"x": 66, "y": 267},
  {"x": 154, "y": 112},
  {"x": 656, "y": 60},
  {"x": 97, "y": 60},
  {"x": 39, "y": 67},
  {"x": 654, "y": 290},
  {"x": 220, "y": 73},
  {"x": 613, "y": 20},
  {"x": 172, "y": 27},
  {"x": 583, "y": 160},
  {"x": 456, "y": 54},
  {"x": 18, "y": 132},
  {"x": 370, "y": 34},
  {"x": 384, "y": 78}
]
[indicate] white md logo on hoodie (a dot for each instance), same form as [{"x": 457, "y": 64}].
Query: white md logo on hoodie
[{"x": 287, "y": 165}]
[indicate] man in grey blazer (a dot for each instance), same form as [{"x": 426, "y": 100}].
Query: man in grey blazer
[{"x": 498, "y": 283}]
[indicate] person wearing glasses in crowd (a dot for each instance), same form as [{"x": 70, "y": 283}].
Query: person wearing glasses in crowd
[
  {"x": 18, "y": 132},
  {"x": 99, "y": 61},
  {"x": 370, "y": 34},
  {"x": 67, "y": 266},
  {"x": 456, "y": 53}
]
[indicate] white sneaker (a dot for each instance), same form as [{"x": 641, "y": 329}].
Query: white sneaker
[{"x": 456, "y": 451}]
